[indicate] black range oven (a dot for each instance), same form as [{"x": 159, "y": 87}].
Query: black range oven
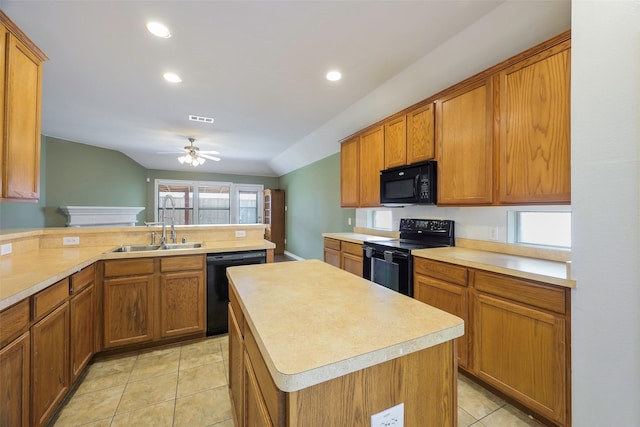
[{"x": 389, "y": 263}]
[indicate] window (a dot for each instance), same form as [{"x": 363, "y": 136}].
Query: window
[
  {"x": 209, "y": 202},
  {"x": 540, "y": 228},
  {"x": 382, "y": 220}
]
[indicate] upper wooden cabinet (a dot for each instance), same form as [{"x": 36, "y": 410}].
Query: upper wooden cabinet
[
  {"x": 371, "y": 163},
  {"x": 395, "y": 142},
  {"x": 464, "y": 134},
  {"x": 421, "y": 134},
  {"x": 350, "y": 173},
  {"x": 535, "y": 140},
  {"x": 274, "y": 218},
  {"x": 21, "y": 76}
]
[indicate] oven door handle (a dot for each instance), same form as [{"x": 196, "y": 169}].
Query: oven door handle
[{"x": 390, "y": 255}]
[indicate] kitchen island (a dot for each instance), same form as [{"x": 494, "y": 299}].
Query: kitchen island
[{"x": 310, "y": 344}]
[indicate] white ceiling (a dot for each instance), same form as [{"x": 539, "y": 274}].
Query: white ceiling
[{"x": 257, "y": 67}]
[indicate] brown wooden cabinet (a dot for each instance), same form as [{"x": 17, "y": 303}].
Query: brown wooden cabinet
[
  {"x": 444, "y": 286},
  {"x": 15, "y": 374},
  {"x": 49, "y": 364},
  {"x": 236, "y": 361},
  {"x": 395, "y": 142},
  {"x": 274, "y": 215},
  {"x": 21, "y": 64},
  {"x": 421, "y": 134},
  {"x": 182, "y": 296},
  {"x": 464, "y": 135},
  {"x": 350, "y": 173},
  {"x": 521, "y": 342},
  {"x": 371, "y": 163},
  {"x": 82, "y": 305},
  {"x": 128, "y": 302},
  {"x": 535, "y": 140},
  {"x": 345, "y": 255}
]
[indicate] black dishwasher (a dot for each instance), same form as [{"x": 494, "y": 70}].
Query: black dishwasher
[{"x": 218, "y": 285}]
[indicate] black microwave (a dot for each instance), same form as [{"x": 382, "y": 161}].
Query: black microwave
[{"x": 409, "y": 185}]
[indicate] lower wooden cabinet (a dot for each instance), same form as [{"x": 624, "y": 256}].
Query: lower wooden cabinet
[
  {"x": 236, "y": 366},
  {"x": 343, "y": 254},
  {"x": 182, "y": 300},
  {"x": 83, "y": 324},
  {"x": 15, "y": 374},
  {"x": 256, "y": 414},
  {"x": 49, "y": 364}
]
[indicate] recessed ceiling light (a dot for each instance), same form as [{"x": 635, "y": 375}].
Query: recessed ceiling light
[
  {"x": 334, "y": 76},
  {"x": 172, "y": 77},
  {"x": 158, "y": 29}
]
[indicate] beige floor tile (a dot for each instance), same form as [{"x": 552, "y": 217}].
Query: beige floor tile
[
  {"x": 474, "y": 399},
  {"x": 201, "y": 378},
  {"x": 90, "y": 407},
  {"x": 508, "y": 416},
  {"x": 161, "y": 362},
  {"x": 106, "y": 374},
  {"x": 147, "y": 392},
  {"x": 226, "y": 423},
  {"x": 158, "y": 415},
  {"x": 200, "y": 353},
  {"x": 101, "y": 423},
  {"x": 203, "y": 409},
  {"x": 464, "y": 418}
]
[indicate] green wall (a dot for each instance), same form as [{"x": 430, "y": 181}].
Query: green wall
[
  {"x": 21, "y": 215},
  {"x": 83, "y": 175},
  {"x": 313, "y": 206}
]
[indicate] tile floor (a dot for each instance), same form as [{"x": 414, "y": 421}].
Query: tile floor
[{"x": 168, "y": 387}]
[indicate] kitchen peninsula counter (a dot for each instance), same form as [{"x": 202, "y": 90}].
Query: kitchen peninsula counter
[{"x": 315, "y": 325}]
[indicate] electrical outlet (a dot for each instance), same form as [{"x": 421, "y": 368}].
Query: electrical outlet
[
  {"x": 349, "y": 221},
  {"x": 6, "y": 249},
  {"x": 75, "y": 240},
  {"x": 392, "y": 417},
  {"x": 241, "y": 233},
  {"x": 493, "y": 233}
]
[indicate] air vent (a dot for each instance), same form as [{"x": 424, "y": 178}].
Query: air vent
[{"x": 201, "y": 119}]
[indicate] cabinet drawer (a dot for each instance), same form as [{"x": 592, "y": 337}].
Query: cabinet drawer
[
  {"x": 182, "y": 263},
  {"x": 352, "y": 248},
  {"x": 332, "y": 243},
  {"x": 440, "y": 270},
  {"x": 128, "y": 267},
  {"x": 82, "y": 278},
  {"x": 50, "y": 298},
  {"x": 235, "y": 307},
  {"x": 14, "y": 321},
  {"x": 524, "y": 291},
  {"x": 273, "y": 397}
]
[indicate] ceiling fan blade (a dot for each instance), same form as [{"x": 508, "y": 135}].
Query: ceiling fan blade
[
  {"x": 208, "y": 152},
  {"x": 215, "y": 159}
]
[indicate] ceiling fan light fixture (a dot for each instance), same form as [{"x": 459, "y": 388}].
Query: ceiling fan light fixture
[
  {"x": 172, "y": 77},
  {"x": 334, "y": 75}
]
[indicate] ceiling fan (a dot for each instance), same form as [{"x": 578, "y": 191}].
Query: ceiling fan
[{"x": 193, "y": 156}]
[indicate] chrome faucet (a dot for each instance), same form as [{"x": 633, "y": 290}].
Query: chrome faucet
[{"x": 174, "y": 237}]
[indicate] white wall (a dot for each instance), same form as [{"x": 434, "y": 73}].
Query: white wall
[{"x": 605, "y": 136}]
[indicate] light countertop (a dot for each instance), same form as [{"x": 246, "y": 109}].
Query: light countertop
[
  {"x": 552, "y": 272},
  {"x": 314, "y": 322},
  {"x": 358, "y": 238},
  {"x": 23, "y": 275}
]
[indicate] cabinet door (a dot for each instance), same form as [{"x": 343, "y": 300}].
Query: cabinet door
[
  {"x": 256, "y": 414},
  {"x": 352, "y": 263},
  {"x": 14, "y": 377},
  {"x": 371, "y": 163},
  {"x": 521, "y": 351},
  {"x": 450, "y": 298},
  {"x": 22, "y": 93},
  {"x": 127, "y": 310},
  {"x": 332, "y": 252},
  {"x": 395, "y": 142},
  {"x": 464, "y": 134},
  {"x": 421, "y": 134},
  {"x": 349, "y": 173},
  {"x": 83, "y": 314},
  {"x": 535, "y": 141},
  {"x": 49, "y": 364},
  {"x": 236, "y": 368},
  {"x": 182, "y": 303}
]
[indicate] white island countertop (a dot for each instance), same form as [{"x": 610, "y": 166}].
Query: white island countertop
[{"x": 314, "y": 322}]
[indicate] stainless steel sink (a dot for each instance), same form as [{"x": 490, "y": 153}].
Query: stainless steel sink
[
  {"x": 168, "y": 246},
  {"x": 137, "y": 248}
]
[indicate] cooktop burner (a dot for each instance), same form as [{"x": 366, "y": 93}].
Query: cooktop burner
[{"x": 419, "y": 234}]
